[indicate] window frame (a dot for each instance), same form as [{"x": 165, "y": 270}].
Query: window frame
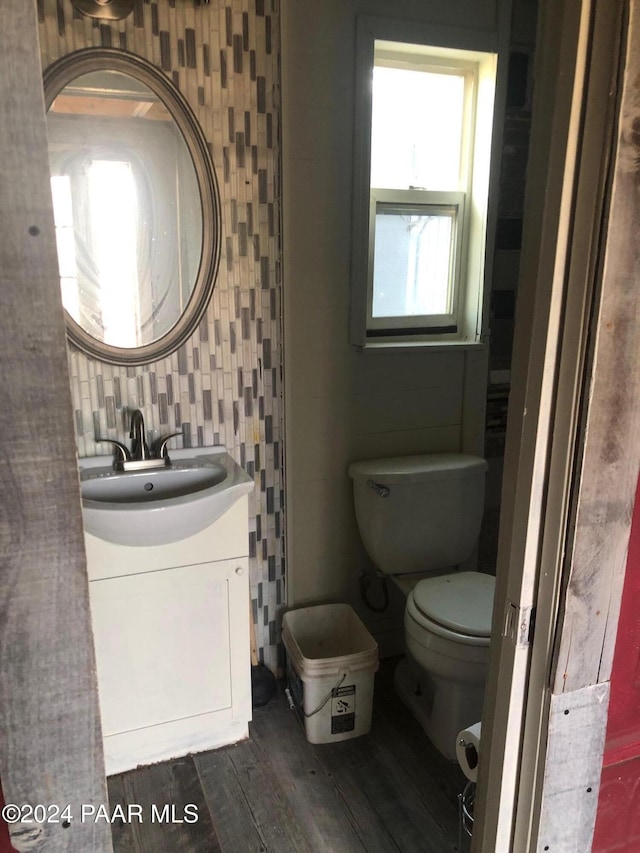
[
  {"x": 444, "y": 49},
  {"x": 420, "y": 202}
]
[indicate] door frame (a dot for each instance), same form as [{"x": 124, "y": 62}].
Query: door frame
[
  {"x": 51, "y": 752},
  {"x": 572, "y": 453}
]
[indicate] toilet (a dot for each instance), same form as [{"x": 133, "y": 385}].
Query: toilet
[{"x": 419, "y": 519}]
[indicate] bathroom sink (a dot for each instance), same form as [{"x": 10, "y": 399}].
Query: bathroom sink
[
  {"x": 159, "y": 484},
  {"x": 159, "y": 505}
]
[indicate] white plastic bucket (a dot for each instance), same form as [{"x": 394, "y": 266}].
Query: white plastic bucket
[{"x": 331, "y": 661}]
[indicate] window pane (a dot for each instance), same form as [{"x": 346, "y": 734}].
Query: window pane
[
  {"x": 412, "y": 262},
  {"x": 114, "y": 220},
  {"x": 416, "y": 133},
  {"x": 66, "y": 243}
]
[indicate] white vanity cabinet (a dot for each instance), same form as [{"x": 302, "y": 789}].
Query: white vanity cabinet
[{"x": 171, "y": 633}]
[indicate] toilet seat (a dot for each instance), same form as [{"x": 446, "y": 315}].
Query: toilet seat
[{"x": 458, "y": 606}]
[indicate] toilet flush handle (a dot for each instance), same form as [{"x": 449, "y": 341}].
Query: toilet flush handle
[{"x": 383, "y": 491}]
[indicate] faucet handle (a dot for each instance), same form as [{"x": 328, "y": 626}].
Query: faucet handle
[
  {"x": 159, "y": 446},
  {"x": 118, "y": 448}
]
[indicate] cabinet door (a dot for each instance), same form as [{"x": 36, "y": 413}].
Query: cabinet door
[{"x": 171, "y": 644}]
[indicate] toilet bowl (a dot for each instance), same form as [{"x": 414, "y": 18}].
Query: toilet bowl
[
  {"x": 446, "y": 688},
  {"x": 418, "y": 515},
  {"x": 447, "y": 634}
]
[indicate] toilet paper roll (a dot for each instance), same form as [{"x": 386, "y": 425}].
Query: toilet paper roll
[{"x": 468, "y": 749}]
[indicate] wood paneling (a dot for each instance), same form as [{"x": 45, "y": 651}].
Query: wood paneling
[
  {"x": 51, "y": 747},
  {"x": 611, "y": 450}
]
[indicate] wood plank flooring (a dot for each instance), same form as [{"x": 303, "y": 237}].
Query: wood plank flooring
[{"x": 387, "y": 792}]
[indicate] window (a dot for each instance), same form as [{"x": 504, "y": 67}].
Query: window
[
  {"x": 416, "y": 261},
  {"x": 88, "y": 264},
  {"x": 421, "y": 188}
]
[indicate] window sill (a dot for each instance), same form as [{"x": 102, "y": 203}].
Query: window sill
[{"x": 388, "y": 347}]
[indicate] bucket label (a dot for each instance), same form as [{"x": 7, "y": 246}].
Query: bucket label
[{"x": 343, "y": 709}]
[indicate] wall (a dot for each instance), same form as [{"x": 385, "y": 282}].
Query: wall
[
  {"x": 506, "y": 265},
  {"x": 343, "y": 404},
  {"x": 223, "y": 386}
]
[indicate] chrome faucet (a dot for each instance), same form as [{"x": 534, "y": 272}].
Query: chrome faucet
[{"x": 140, "y": 456}]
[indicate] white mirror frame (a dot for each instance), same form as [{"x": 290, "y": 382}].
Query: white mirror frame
[{"x": 60, "y": 74}]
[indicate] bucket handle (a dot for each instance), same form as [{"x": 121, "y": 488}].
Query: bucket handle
[{"x": 326, "y": 698}]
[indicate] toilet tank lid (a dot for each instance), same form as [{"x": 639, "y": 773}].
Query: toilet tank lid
[
  {"x": 418, "y": 469},
  {"x": 462, "y": 601}
]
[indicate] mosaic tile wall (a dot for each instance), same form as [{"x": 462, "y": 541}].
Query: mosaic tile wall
[{"x": 224, "y": 385}]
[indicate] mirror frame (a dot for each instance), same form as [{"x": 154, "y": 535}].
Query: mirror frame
[{"x": 67, "y": 69}]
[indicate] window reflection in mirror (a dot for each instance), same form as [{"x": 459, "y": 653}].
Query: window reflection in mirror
[
  {"x": 127, "y": 209},
  {"x": 137, "y": 206}
]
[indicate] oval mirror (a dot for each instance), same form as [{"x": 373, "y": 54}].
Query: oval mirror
[{"x": 136, "y": 206}]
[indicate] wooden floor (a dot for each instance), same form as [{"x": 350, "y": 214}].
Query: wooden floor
[{"x": 386, "y": 792}]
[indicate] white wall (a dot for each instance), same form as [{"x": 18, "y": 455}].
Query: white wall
[{"x": 343, "y": 404}]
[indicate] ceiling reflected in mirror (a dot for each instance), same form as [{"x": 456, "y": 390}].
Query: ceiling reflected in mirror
[{"x": 107, "y": 10}]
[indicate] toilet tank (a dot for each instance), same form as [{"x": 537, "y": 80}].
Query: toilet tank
[{"x": 419, "y": 513}]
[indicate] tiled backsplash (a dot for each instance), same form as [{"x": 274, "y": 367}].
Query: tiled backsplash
[{"x": 224, "y": 385}]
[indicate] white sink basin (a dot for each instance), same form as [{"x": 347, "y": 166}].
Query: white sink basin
[
  {"x": 160, "y": 505},
  {"x": 157, "y": 484}
]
